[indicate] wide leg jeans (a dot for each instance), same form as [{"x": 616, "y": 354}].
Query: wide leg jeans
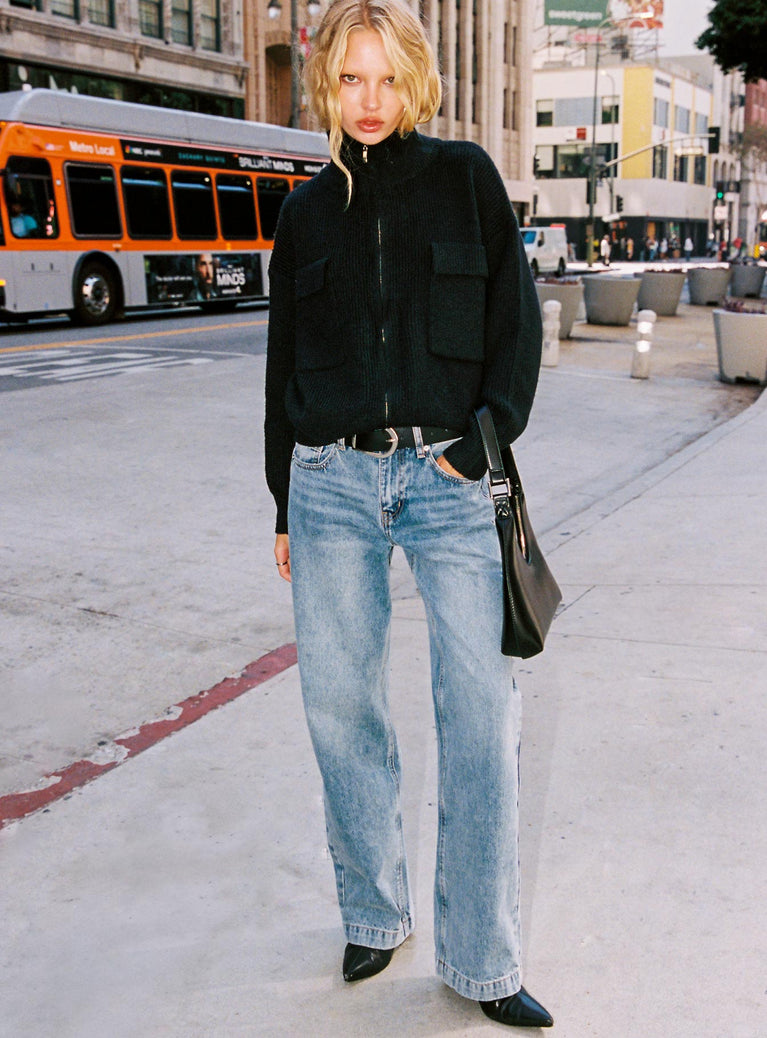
[{"x": 348, "y": 510}]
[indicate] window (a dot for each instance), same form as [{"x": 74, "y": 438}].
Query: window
[
  {"x": 681, "y": 168},
  {"x": 101, "y": 12},
  {"x": 681, "y": 119},
  {"x": 660, "y": 112},
  {"x": 544, "y": 113},
  {"x": 271, "y": 194},
  {"x": 699, "y": 169},
  {"x": 193, "y": 204},
  {"x": 544, "y": 161},
  {"x": 610, "y": 110},
  {"x": 659, "y": 162},
  {"x": 701, "y": 125},
  {"x": 145, "y": 195},
  {"x": 181, "y": 22},
  {"x": 210, "y": 25},
  {"x": 150, "y": 18},
  {"x": 236, "y": 207},
  {"x": 66, "y": 8},
  {"x": 92, "y": 195},
  {"x": 29, "y": 197}
]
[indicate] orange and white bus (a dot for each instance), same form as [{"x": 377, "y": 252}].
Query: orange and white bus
[{"x": 107, "y": 206}]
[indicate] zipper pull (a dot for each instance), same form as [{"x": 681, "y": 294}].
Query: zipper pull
[{"x": 364, "y": 152}]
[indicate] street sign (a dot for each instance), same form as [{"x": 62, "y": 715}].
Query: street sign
[{"x": 720, "y": 213}]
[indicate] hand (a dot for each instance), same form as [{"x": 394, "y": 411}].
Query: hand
[
  {"x": 445, "y": 464},
  {"x": 282, "y": 556}
]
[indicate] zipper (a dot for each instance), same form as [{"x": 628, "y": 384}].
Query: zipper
[
  {"x": 381, "y": 298},
  {"x": 364, "y": 152}
]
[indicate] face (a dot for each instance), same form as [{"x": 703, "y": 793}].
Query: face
[
  {"x": 370, "y": 106},
  {"x": 205, "y": 268}
]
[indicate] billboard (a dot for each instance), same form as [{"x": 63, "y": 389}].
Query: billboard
[
  {"x": 581, "y": 14},
  {"x": 585, "y": 14}
]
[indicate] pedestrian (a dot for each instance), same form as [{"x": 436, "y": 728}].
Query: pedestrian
[
  {"x": 604, "y": 250},
  {"x": 629, "y": 249},
  {"x": 401, "y": 299},
  {"x": 688, "y": 247},
  {"x": 663, "y": 248}
]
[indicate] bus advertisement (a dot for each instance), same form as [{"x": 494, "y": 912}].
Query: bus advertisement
[{"x": 107, "y": 206}]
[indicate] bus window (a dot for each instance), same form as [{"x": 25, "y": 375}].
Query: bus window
[
  {"x": 193, "y": 204},
  {"x": 29, "y": 197},
  {"x": 236, "y": 208},
  {"x": 271, "y": 194},
  {"x": 147, "y": 211},
  {"x": 93, "y": 201}
]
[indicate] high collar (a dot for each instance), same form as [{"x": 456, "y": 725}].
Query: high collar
[{"x": 393, "y": 160}]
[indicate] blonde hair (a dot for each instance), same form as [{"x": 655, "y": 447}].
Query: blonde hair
[{"x": 416, "y": 78}]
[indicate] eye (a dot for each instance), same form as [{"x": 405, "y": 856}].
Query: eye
[{"x": 348, "y": 77}]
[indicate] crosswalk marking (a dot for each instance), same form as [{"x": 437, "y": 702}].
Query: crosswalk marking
[{"x": 59, "y": 365}]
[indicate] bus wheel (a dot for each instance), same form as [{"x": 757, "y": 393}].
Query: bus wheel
[{"x": 95, "y": 295}]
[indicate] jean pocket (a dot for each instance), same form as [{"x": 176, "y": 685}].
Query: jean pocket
[
  {"x": 435, "y": 451},
  {"x": 314, "y": 457}
]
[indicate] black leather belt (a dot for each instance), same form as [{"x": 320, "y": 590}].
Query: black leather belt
[{"x": 384, "y": 442}]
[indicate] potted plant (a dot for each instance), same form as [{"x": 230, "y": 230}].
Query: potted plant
[
  {"x": 568, "y": 291},
  {"x": 708, "y": 285},
  {"x": 609, "y": 299},
  {"x": 740, "y": 328},
  {"x": 660, "y": 289},
  {"x": 747, "y": 278}
]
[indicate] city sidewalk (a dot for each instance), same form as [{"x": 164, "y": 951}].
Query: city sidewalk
[{"x": 187, "y": 893}]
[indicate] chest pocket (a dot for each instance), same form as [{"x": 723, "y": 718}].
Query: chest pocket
[
  {"x": 457, "y": 300},
  {"x": 318, "y": 342}
]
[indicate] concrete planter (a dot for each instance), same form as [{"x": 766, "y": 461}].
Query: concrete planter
[
  {"x": 747, "y": 280},
  {"x": 708, "y": 285},
  {"x": 741, "y": 345},
  {"x": 660, "y": 291},
  {"x": 609, "y": 300},
  {"x": 569, "y": 296}
]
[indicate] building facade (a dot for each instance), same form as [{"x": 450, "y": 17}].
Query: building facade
[
  {"x": 173, "y": 53},
  {"x": 647, "y": 127}
]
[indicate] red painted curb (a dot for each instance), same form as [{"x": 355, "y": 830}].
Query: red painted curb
[{"x": 18, "y": 805}]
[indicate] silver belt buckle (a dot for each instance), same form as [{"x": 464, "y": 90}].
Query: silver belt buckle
[{"x": 394, "y": 441}]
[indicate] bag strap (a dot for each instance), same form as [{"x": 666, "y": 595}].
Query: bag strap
[{"x": 502, "y": 469}]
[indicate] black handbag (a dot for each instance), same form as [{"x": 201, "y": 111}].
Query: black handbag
[{"x": 530, "y": 592}]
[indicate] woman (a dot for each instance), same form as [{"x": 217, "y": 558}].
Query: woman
[{"x": 401, "y": 300}]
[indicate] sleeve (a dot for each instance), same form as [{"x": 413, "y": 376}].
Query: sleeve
[
  {"x": 513, "y": 325},
  {"x": 280, "y": 363}
]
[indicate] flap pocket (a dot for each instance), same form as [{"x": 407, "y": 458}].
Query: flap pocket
[
  {"x": 311, "y": 278},
  {"x": 457, "y": 300}
]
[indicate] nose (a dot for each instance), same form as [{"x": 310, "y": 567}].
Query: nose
[{"x": 371, "y": 100}]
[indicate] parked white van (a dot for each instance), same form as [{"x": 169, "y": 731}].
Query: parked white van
[{"x": 546, "y": 249}]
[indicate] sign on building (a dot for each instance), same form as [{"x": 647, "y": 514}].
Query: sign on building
[{"x": 578, "y": 13}]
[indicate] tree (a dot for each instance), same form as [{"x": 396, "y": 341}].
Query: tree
[{"x": 737, "y": 37}]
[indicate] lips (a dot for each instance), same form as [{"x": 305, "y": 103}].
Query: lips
[{"x": 370, "y": 125}]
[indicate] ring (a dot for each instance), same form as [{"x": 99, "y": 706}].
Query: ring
[{"x": 280, "y": 564}]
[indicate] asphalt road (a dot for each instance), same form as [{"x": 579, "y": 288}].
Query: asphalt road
[{"x": 55, "y": 351}]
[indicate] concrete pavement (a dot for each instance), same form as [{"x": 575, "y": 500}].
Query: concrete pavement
[{"x": 187, "y": 891}]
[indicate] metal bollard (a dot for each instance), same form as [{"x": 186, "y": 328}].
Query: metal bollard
[
  {"x": 551, "y": 311},
  {"x": 640, "y": 362}
]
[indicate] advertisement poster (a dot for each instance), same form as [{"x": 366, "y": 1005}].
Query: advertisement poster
[
  {"x": 203, "y": 277},
  {"x": 623, "y": 14}
]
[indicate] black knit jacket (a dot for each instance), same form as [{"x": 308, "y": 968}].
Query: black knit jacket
[{"x": 412, "y": 305}]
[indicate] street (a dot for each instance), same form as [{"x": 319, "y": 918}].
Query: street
[
  {"x": 165, "y": 896},
  {"x": 53, "y": 350}
]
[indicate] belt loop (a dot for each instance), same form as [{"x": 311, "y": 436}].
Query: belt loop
[
  {"x": 418, "y": 440},
  {"x": 341, "y": 443}
]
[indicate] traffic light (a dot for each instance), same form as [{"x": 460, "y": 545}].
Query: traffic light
[
  {"x": 591, "y": 191},
  {"x": 719, "y": 190},
  {"x": 713, "y": 140},
  {"x": 619, "y": 203}
]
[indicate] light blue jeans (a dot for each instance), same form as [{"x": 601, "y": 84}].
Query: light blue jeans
[{"x": 348, "y": 511}]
